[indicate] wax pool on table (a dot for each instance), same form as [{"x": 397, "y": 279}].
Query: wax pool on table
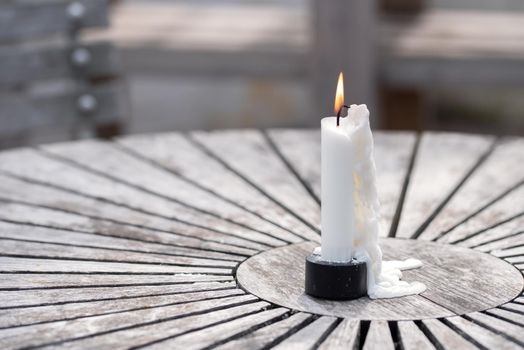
[{"x": 351, "y": 209}]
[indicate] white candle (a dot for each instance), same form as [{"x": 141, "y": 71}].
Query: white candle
[
  {"x": 337, "y": 162},
  {"x": 348, "y": 183},
  {"x": 337, "y": 192},
  {"x": 350, "y": 204}
]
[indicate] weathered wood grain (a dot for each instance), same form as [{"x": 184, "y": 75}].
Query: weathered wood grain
[
  {"x": 69, "y": 235},
  {"x": 17, "y": 248},
  {"x": 379, "y": 337},
  {"x": 481, "y": 335},
  {"x": 308, "y": 336},
  {"x": 73, "y": 213},
  {"x": 512, "y": 239},
  {"x": 136, "y": 244},
  {"x": 345, "y": 336},
  {"x": 55, "y": 332},
  {"x": 23, "y": 264},
  {"x": 64, "y": 175},
  {"x": 519, "y": 299},
  {"x": 132, "y": 171},
  {"x": 507, "y": 315},
  {"x": 207, "y": 337},
  {"x": 514, "y": 306},
  {"x": 171, "y": 231},
  {"x": 17, "y": 317},
  {"x": 14, "y": 281},
  {"x": 445, "y": 336},
  {"x": 26, "y": 298},
  {"x": 191, "y": 164},
  {"x": 257, "y": 163},
  {"x": 266, "y": 335},
  {"x": 187, "y": 319},
  {"x": 258, "y": 274},
  {"x": 300, "y": 150},
  {"x": 488, "y": 183},
  {"x": 443, "y": 160},
  {"x": 505, "y": 216},
  {"x": 412, "y": 338},
  {"x": 510, "y": 252},
  {"x": 392, "y": 154},
  {"x": 504, "y": 328},
  {"x": 519, "y": 259},
  {"x": 448, "y": 271},
  {"x": 456, "y": 294}
]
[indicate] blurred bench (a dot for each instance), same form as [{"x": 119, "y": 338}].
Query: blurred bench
[
  {"x": 414, "y": 53},
  {"x": 53, "y": 84}
]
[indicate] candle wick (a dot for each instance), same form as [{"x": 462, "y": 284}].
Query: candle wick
[{"x": 338, "y": 113}]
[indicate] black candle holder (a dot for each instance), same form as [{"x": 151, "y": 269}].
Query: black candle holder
[{"x": 335, "y": 280}]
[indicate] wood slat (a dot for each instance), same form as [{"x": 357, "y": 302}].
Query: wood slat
[
  {"x": 179, "y": 322},
  {"x": 500, "y": 326},
  {"x": 266, "y": 335},
  {"x": 514, "y": 306},
  {"x": 97, "y": 186},
  {"x": 67, "y": 211},
  {"x": 193, "y": 165},
  {"x": 26, "y": 19},
  {"x": 55, "y": 332},
  {"x": 123, "y": 168},
  {"x": 441, "y": 163},
  {"x": 378, "y": 337},
  {"x": 392, "y": 154},
  {"x": 16, "y": 248},
  {"x": 507, "y": 315},
  {"x": 51, "y": 313},
  {"x": 309, "y": 336},
  {"x": 481, "y": 335},
  {"x": 24, "y": 65},
  {"x": 345, "y": 336},
  {"x": 256, "y": 162},
  {"x": 445, "y": 336},
  {"x": 47, "y": 171},
  {"x": 510, "y": 252},
  {"x": 222, "y": 332},
  {"x": 412, "y": 338},
  {"x": 492, "y": 179},
  {"x": 76, "y": 236},
  {"x": 511, "y": 239},
  {"x": 501, "y": 218},
  {"x": 26, "y": 298},
  {"x": 16, "y": 281},
  {"x": 515, "y": 259},
  {"x": 23, "y": 265}
]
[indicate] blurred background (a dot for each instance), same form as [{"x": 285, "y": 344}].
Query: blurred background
[{"x": 99, "y": 68}]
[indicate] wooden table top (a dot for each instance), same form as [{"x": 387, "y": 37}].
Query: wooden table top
[{"x": 197, "y": 241}]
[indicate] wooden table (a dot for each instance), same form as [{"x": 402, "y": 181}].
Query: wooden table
[{"x": 197, "y": 241}]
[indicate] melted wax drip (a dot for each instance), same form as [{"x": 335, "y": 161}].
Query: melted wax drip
[{"x": 384, "y": 277}]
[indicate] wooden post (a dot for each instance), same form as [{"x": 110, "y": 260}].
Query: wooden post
[{"x": 343, "y": 40}]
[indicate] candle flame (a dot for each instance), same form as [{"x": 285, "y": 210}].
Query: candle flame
[{"x": 339, "y": 96}]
